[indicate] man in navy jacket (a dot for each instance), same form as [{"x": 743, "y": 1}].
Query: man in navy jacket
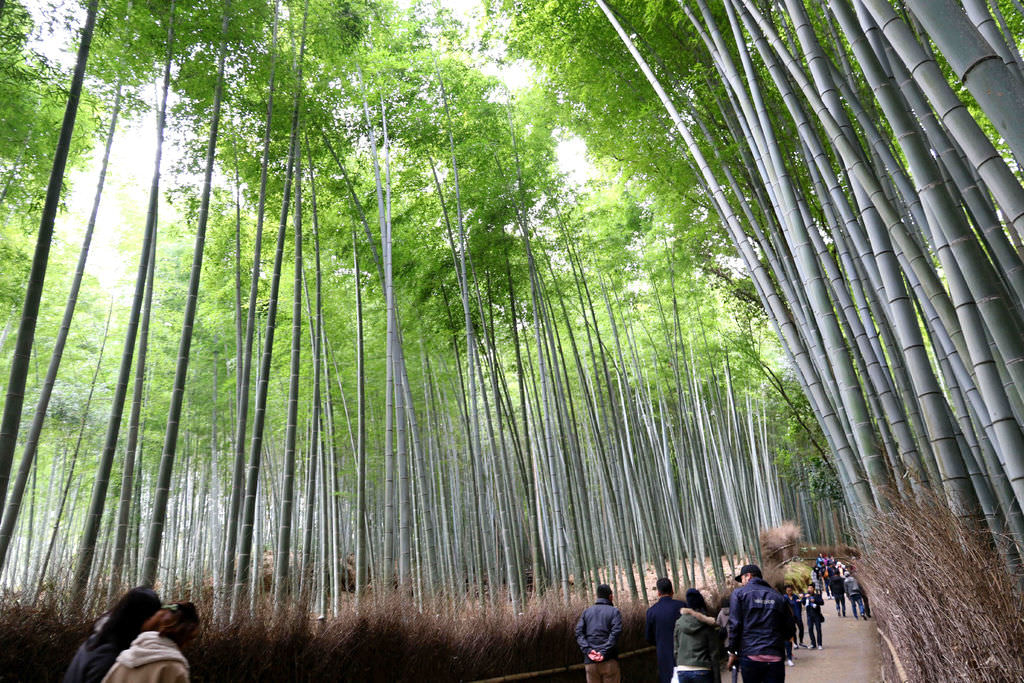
[
  {"x": 760, "y": 623},
  {"x": 597, "y": 634},
  {"x": 661, "y": 624}
]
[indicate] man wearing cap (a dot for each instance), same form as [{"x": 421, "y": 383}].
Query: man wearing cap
[
  {"x": 760, "y": 623},
  {"x": 661, "y": 624},
  {"x": 597, "y": 634}
]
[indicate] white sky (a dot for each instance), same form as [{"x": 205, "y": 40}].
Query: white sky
[{"x": 131, "y": 163}]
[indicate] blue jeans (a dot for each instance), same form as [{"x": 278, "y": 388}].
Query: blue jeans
[
  {"x": 814, "y": 627},
  {"x": 789, "y": 650},
  {"x": 762, "y": 672},
  {"x": 856, "y": 601},
  {"x": 694, "y": 677}
]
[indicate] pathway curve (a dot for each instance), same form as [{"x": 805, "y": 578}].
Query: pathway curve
[{"x": 850, "y": 653}]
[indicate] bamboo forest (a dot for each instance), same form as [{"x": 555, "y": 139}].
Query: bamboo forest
[{"x": 367, "y": 325}]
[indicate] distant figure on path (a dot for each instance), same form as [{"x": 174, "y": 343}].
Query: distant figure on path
[
  {"x": 812, "y": 606},
  {"x": 112, "y": 633},
  {"x": 722, "y": 621},
  {"x": 838, "y": 587},
  {"x": 155, "y": 656},
  {"x": 661, "y": 623},
  {"x": 827, "y": 574},
  {"x": 798, "y": 613},
  {"x": 853, "y": 591},
  {"x": 597, "y": 634},
  {"x": 817, "y": 575},
  {"x": 760, "y": 623},
  {"x": 696, "y": 642}
]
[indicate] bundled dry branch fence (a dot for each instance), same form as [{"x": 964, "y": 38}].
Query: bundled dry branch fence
[
  {"x": 942, "y": 597},
  {"x": 385, "y": 641}
]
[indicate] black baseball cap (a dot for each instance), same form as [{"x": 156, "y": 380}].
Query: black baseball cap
[{"x": 748, "y": 569}]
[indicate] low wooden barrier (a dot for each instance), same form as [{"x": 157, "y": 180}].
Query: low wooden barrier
[{"x": 557, "y": 670}]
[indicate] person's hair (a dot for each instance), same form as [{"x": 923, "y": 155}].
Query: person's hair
[
  {"x": 695, "y": 601},
  {"x": 664, "y": 586},
  {"x": 178, "y": 621},
  {"x": 127, "y": 617},
  {"x": 789, "y": 585},
  {"x": 604, "y": 591}
]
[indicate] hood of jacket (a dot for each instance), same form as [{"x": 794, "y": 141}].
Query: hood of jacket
[{"x": 150, "y": 647}]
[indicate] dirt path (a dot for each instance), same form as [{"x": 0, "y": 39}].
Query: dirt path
[{"x": 850, "y": 652}]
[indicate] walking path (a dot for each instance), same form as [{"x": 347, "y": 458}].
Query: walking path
[{"x": 850, "y": 653}]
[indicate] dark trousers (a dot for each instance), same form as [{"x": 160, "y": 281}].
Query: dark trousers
[
  {"x": 814, "y": 627},
  {"x": 694, "y": 677},
  {"x": 867, "y": 605},
  {"x": 840, "y": 602},
  {"x": 762, "y": 672},
  {"x": 799, "y": 629}
]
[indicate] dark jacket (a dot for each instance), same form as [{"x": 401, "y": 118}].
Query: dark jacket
[
  {"x": 813, "y": 604},
  {"x": 661, "y": 622},
  {"x": 696, "y": 641},
  {"x": 598, "y": 629},
  {"x": 760, "y": 620},
  {"x": 92, "y": 661},
  {"x": 837, "y": 585},
  {"x": 796, "y": 606}
]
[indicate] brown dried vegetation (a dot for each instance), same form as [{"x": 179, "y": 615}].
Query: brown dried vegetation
[
  {"x": 387, "y": 640},
  {"x": 943, "y": 598}
]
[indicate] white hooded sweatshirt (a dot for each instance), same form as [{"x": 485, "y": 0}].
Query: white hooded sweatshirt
[{"x": 151, "y": 658}]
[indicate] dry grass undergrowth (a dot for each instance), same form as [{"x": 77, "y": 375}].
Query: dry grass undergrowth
[
  {"x": 388, "y": 640},
  {"x": 943, "y": 597}
]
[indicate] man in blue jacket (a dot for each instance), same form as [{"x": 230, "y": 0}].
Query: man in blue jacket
[
  {"x": 760, "y": 623},
  {"x": 597, "y": 634},
  {"x": 661, "y": 624}
]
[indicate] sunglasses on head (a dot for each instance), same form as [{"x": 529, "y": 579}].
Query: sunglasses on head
[{"x": 186, "y": 608}]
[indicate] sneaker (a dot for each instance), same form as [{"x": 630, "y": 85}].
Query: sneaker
[
  {"x": 789, "y": 662},
  {"x": 820, "y": 647}
]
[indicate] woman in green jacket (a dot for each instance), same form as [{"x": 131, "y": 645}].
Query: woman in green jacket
[{"x": 696, "y": 643}]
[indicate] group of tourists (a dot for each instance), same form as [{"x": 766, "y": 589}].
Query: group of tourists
[
  {"x": 758, "y": 629},
  {"x": 834, "y": 579},
  {"x": 138, "y": 641}
]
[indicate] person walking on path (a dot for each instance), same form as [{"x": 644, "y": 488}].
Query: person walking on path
[
  {"x": 760, "y": 623},
  {"x": 852, "y": 588},
  {"x": 812, "y": 606},
  {"x": 816, "y": 577},
  {"x": 838, "y": 587},
  {"x": 695, "y": 642},
  {"x": 597, "y": 634},
  {"x": 798, "y": 613},
  {"x": 155, "y": 655},
  {"x": 722, "y": 621},
  {"x": 661, "y": 623},
  {"x": 113, "y": 633},
  {"x": 827, "y": 574}
]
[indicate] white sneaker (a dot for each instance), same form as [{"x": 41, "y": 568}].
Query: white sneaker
[
  {"x": 789, "y": 662},
  {"x": 820, "y": 647}
]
